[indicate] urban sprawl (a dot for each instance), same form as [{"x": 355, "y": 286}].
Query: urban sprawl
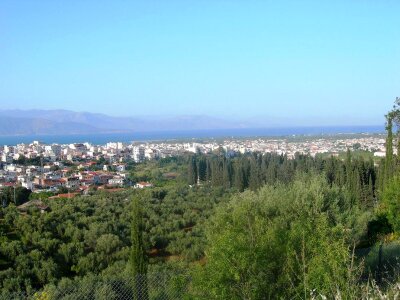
[{"x": 60, "y": 167}]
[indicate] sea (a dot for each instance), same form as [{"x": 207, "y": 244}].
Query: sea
[{"x": 103, "y": 138}]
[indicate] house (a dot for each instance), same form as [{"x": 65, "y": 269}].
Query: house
[
  {"x": 28, "y": 185},
  {"x": 92, "y": 177},
  {"x": 120, "y": 168},
  {"x": 86, "y": 182},
  {"x": 110, "y": 190},
  {"x": 67, "y": 196},
  {"x": 72, "y": 183},
  {"x": 116, "y": 181},
  {"x": 33, "y": 204},
  {"x": 104, "y": 178},
  {"x": 142, "y": 185},
  {"x": 48, "y": 183},
  {"x": 31, "y": 171},
  {"x": 8, "y": 184}
]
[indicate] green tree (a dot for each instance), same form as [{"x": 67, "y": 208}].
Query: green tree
[
  {"x": 17, "y": 195},
  {"x": 202, "y": 168},
  {"x": 391, "y": 202},
  {"x": 192, "y": 171},
  {"x": 138, "y": 258},
  {"x": 282, "y": 242},
  {"x": 389, "y": 147}
]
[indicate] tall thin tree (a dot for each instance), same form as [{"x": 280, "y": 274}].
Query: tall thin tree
[
  {"x": 389, "y": 147},
  {"x": 138, "y": 258}
]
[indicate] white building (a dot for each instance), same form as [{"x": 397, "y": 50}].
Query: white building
[
  {"x": 151, "y": 153},
  {"x": 8, "y": 149},
  {"x": 116, "y": 181},
  {"x": 6, "y": 158},
  {"x": 120, "y": 168},
  {"x": 56, "y": 149},
  {"x": 142, "y": 185},
  {"x": 138, "y": 154},
  {"x": 380, "y": 154}
]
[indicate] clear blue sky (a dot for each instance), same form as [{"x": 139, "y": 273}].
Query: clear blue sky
[{"x": 339, "y": 60}]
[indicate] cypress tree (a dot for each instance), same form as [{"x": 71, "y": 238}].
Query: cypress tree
[
  {"x": 202, "y": 168},
  {"x": 217, "y": 175},
  {"x": 239, "y": 177},
  {"x": 214, "y": 172},
  {"x": 381, "y": 176},
  {"x": 396, "y": 119},
  {"x": 271, "y": 173},
  {"x": 138, "y": 258},
  {"x": 264, "y": 167},
  {"x": 254, "y": 178},
  {"x": 348, "y": 165},
  {"x": 330, "y": 170},
  {"x": 192, "y": 171},
  {"x": 227, "y": 173},
  {"x": 208, "y": 170},
  {"x": 371, "y": 190},
  {"x": 389, "y": 147}
]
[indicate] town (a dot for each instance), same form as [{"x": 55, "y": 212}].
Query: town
[{"x": 71, "y": 169}]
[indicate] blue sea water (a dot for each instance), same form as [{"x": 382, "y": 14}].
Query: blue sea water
[{"x": 100, "y": 139}]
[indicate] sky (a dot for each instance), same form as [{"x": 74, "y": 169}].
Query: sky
[{"x": 305, "y": 62}]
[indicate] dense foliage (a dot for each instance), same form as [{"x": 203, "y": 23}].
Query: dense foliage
[
  {"x": 88, "y": 235},
  {"x": 16, "y": 195},
  {"x": 254, "y": 170},
  {"x": 284, "y": 241}
]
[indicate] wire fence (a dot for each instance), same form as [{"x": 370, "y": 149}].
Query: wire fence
[
  {"x": 381, "y": 262},
  {"x": 143, "y": 287},
  {"x": 382, "y": 266}
]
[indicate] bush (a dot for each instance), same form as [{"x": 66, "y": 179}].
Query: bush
[
  {"x": 282, "y": 242},
  {"x": 391, "y": 203}
]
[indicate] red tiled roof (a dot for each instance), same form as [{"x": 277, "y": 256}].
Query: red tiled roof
[
  {"x": 68, "y": 196},
  {"x": 114, "y": 190}
]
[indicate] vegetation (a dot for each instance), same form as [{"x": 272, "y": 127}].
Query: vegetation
[
  {"x": 16, "y": 195},
  {"x": 22, "y": 160},
  {"x": 283, "y": 242},
  {"x": 251, "y": 226},
  {"x": 138, "y": 252}
]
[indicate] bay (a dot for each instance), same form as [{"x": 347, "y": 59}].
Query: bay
[{"x": 126, "y": 137}]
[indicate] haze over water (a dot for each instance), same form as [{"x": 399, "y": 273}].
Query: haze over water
[{"x": 188, "y": 134}]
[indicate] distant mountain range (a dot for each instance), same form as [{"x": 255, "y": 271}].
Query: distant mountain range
[{"x": 64, "y": 122}]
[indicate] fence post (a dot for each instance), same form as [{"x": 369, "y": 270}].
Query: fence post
[{"x": 379, "y": 279}]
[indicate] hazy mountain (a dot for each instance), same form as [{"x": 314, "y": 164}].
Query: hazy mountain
[
  {"x": 32, "y": 126},
  {"x": 27, "y": 122}
]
